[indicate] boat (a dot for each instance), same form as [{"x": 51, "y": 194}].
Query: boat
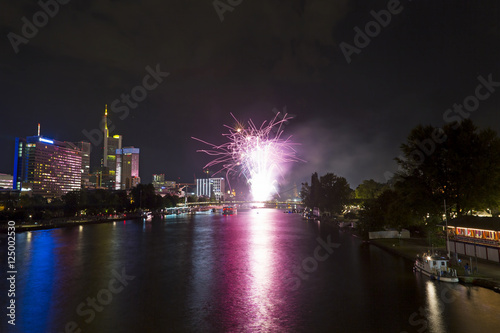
[
  {"x": 307, "y": 214},
  {"x": 436, "y": 267},
  {"x": 229, "y": 210},
  {"x": 148, "y": 216}
]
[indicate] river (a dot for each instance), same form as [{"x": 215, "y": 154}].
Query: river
[{"x": 258, "y": 271}]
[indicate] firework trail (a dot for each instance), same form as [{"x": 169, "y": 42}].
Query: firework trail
[{"x": 257, "y": 153}]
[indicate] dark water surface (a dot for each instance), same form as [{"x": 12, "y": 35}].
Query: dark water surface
[{"x": 258, "y": 271}]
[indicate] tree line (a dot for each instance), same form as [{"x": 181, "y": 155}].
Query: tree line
[
  {"x": 458, "y": 164},
  {"x": 330, "y": 193},
  {"x": 87, "y": 202}
]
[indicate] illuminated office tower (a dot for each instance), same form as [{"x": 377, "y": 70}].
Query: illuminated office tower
[
  {"x": 50, "y": 168},
  {"x": 85, "y": 148},
  {"x": 127, "y": 168},
  {"x": 210, "y": 186},
  {"x": 111, "y": 144}
]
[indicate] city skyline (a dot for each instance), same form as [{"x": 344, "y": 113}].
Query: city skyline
[
  {"x": 250, "y": 166},
  {"x": 358, "y": 92}
]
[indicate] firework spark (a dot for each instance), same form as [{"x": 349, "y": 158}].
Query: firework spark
[{"x": 257, "y": 153}]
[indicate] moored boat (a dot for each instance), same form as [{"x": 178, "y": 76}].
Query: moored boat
[
  {"x": 229, "y": 210},
  {"x": 436, "y": 267}
]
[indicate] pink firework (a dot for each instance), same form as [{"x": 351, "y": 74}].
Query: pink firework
[{"x": 257, "y": 153}]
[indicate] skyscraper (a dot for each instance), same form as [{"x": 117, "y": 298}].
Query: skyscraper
[
  {"x": 51, "y": 168},
  {"x": 111, "y": 144},
  {"x": 85, "y": 148},
  {"x": 127, "y": 168}
]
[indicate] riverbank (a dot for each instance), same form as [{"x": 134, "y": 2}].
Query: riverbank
[
  {"x": 62, "y": 223},
  {"x": 486, "y": 274}
]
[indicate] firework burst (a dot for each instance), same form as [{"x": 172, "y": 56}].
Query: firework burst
[{"x": 257, "y": 153}]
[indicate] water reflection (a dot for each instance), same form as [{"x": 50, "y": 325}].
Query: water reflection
[
  {"x": 261, "y": 260},
  {"x": 38, "y": 271},
  {"x": 435, "y": 308},
  {"x": 212, "y": 273}
]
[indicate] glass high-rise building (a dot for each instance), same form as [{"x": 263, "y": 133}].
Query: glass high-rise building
[
  {"x": 127, "y": 168},
  {"x": 50, "y": 168},
  {"x": 85, "y": 148},
  {"x": 111, "y": 144}
]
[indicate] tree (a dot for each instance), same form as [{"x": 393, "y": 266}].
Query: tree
[
  {"x": 458, "y": 163},
  {"x": 305, "y": 194},
  {"x": 311, "y": 195},
  {"x": 334, "y": 194},
  {"x": 71, "y": 203},
  {"x": 34, "y": 205},
  {"x": 170, "y": 200},
  {"x": 144, "y": 196},
  {"x": 374, "y": 215},
  {"x": 369, "y": 190},
  {"x": 315, "y": 195},
  {"x": 329, "y": 192}
]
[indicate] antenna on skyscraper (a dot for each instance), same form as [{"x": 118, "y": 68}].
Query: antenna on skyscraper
[{"x": 38, "y": 129}]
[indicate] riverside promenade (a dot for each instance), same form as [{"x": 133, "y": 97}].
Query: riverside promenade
[
  {"x": 484, "y": 273},
  {"x": 67, "y": 222}
]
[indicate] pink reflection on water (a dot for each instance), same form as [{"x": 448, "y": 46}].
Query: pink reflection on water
[
  {"x": 239, "y": 274},
  {"x": 261, "y": 255}
]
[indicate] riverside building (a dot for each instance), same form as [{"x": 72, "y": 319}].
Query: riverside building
[
  {"x": 210, "y": 186},
  {"x": 127, "y": 168},
  {"x": 48, "y": 167}
]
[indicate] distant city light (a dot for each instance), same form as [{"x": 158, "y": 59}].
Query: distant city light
[{"x": 46, "y": 140}]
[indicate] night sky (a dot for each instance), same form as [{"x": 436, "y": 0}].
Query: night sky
[{"x": 350, "y": 118}]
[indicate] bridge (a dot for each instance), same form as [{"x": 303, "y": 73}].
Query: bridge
[{"x": 277, "y": 204}]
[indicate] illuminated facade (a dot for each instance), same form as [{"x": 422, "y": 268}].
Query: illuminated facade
[
  {"x": 111, "y": 144},
  {"x": 6, "y": 181},
  {"x": 127, "y": 168},
  {"x": 85, "y": 148},
  {"x": 163, "y": 186},
  {"x": 208, "y": 186},
  {"x": 475, "y": 236},
  {"x": 51, "y": 168}
]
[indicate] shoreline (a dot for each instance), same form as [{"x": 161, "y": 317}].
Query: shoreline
[
  {"x": 67, "y": 223},
  {"x": 487, "y": 280}
]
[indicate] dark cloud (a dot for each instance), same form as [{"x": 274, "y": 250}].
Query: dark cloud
[{"x": 350, "y": 118}]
